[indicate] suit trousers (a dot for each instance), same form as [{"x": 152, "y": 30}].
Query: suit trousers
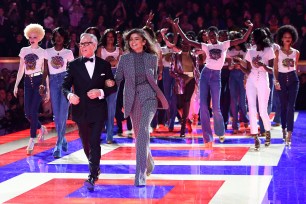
[
  {"x": 143, "y": 110},
  {"x": 90, "y": 135}
]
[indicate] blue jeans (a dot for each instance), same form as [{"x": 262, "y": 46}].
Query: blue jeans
[
  {"x": 210, "y": 80},
  {"x": 168, "y": 83},
  {"x": 32, "y": 100},
  {"x": 238, "y": 97},
  {"x": 277, "y": 106},
  {"x": 271, "y": 85},
  {"x": 111, "y": 111},
  {"x": 59, "y": 106},
  {"x": 289, "y": 83}
]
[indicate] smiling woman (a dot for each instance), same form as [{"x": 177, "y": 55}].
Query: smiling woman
[{"x": 141, "y": 95}]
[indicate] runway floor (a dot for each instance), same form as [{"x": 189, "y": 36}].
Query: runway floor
[{"x": 185, "y": 171}]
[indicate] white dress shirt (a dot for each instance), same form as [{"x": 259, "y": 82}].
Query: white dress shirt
[{"x": 90, "y": 66}]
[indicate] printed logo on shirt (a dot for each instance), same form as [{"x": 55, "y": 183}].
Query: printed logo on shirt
[
  {"x": 215, "y": 54},
  {"x": 288, "y": 62},
  {"x": 255, "y": 61},
  {"x": 30, "y": 61},
  {"x": 57, "y": 62}
]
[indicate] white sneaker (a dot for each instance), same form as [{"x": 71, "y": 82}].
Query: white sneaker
[{"x": 42, "y": 132}]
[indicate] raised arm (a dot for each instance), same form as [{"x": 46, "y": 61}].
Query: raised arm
[
  {"x": 184, "y": 37},
  {"x": 246, "y": 35}
]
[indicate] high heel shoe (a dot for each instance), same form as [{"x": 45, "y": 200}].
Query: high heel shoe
[
  {"x": 30, "y": 146},
  {"x": 268, "y": 139},
  {"x": 42, "y": 132},
  {"x": 288, "y": 138},
  {"x": 188, "y": 124},
  {"x": 257, "y": 142},
  {"x": 284, "y": 134},
  {"x": 221, "y": 138}
]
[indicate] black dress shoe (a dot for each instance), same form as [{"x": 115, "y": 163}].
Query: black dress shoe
[{"x": 90, "y": 183}]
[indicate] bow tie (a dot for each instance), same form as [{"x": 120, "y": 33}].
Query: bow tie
[{"x": 85, "y": 59}]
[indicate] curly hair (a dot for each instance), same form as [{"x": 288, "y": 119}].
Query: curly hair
[
  {"x": 149, "y": 47},
  {"x": 104, "y": 37},
  {"x": 286, "y": 29},
  {"x": 62, "y": 32},
  {"x": 34, "y": 28}
]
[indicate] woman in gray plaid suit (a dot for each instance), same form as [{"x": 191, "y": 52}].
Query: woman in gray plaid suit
[{"x": 140, "y": 95}]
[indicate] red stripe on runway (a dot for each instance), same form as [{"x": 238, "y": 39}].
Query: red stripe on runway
[
  {"x": 20, "y": 153},
  {"x": 55, "y": 191}
]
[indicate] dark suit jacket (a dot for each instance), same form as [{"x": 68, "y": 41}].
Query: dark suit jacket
[
  {"x": 90, "y": 110},
  {"x": 126, "y": 70}
]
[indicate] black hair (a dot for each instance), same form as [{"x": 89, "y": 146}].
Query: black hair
[
  {"x": 150, "y": 32},
  {"x": 286, "y": 29},
  {"x": 261, "y": 38},
  {"x": 62, "y": 32},
  {"x": 104, "y": 37},
  {"x": 96, "y": 32},
  {"x": 236, "y": 35},
  {"x": 212, "y": 29}
]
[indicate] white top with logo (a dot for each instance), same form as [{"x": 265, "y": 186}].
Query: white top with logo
[
  {"x": 57, "y": 60},
  {"x": 216, "y": 54},
  {"x": 110, "y": 56},
  {"x": 33, "y": 59},
  {"x": 286, "y": 63},
  {"x": 254, "y": 56}
]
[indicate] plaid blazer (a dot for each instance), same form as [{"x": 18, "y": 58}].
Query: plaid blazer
[{"x": 126, "y": 70}]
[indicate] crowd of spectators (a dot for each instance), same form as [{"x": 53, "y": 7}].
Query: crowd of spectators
[{"x": 77, "y": 15}]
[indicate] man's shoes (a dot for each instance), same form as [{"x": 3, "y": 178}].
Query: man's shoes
[
  {"x": 109, "y": 142},
  {"x": 90, "y": 183},
  {"x": 235, "y": 132}
]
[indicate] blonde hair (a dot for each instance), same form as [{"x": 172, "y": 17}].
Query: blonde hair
[{"x": 34, "y": 28}]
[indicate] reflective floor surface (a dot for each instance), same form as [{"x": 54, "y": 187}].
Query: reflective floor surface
[{"x": 185, "y": 170}]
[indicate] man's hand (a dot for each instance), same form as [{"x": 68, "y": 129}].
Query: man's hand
[
  {"x": 248, "y": 23},
  {"x": 109, "y": 83},
  {"x": 74, "y": 99},
  {"x": 94, "y": 93}
]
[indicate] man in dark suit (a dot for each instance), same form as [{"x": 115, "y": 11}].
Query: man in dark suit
[{"x": 93, "y": 81}]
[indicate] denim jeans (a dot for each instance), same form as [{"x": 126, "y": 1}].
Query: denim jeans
[
  {"x": 210, "y": 80},
  {"x": 289, "y": 83},
  {"x": 59, "y": 106},
  {"x": 277, "y": 106},
  {"x": 111, "y": 111},
  {"x": 32, "y": 100},
  {"x": 225, "y": 95},
  {"x": 238, "y": 97},
  {"x": 168, "y": 83}
]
